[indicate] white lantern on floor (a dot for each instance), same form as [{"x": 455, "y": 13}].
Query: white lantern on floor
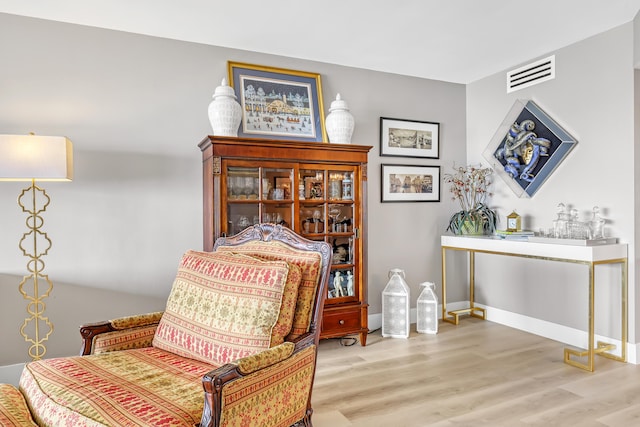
[
  {"x": 427, "y": 310},
  {"x": 395, "y": 306}
]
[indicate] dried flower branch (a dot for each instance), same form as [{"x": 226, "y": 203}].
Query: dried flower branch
[{"x": 469, "y": 185}]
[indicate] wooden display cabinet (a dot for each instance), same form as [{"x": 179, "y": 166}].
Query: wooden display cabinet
[{"x": 317, "y": 189}]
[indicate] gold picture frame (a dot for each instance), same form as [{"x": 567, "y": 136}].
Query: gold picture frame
[{"x": 278, "y": 103}]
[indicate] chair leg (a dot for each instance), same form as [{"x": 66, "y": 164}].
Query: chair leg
[{"x": 306, "y": 421}]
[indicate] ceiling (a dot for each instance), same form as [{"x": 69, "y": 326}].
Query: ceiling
[{"x": 457, "y": 41}]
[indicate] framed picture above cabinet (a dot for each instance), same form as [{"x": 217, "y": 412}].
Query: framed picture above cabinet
[{"x": 278, "y": 103}]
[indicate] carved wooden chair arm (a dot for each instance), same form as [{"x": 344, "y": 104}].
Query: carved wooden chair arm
[{"x": 119, "y": 334}]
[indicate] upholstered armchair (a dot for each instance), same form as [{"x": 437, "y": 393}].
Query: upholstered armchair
[{"x": 235, "y": 346}]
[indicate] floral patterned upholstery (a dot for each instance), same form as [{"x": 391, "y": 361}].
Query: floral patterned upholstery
[
  {"x": 124, "y": 339},
  {"x": 138, "y": 320},
  {"x": 250, "y": 364},
  {"x": 142, "y": 387},
  {"x": 283, "y": 325},
  {"x": 309, "y": 263},
  {"x": 222, "y": 306},
  {"x": 13, "y": 408},
  {"x": 279, "y": 396}
]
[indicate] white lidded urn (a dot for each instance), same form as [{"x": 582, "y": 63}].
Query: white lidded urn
[
  {"x": 225, "y": 113},
  {"x": 339, "y": 122}
]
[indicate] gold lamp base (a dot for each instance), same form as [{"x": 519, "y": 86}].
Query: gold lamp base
[{"x": 36, "y": 328}]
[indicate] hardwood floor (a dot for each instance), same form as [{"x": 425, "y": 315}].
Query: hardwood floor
[{"x": 477, "y": 373}]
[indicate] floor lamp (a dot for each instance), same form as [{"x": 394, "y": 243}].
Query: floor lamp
[{"x": 35, "y": 158}]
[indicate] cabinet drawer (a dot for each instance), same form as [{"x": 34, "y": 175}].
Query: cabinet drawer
[{"x": 341, "y": 321}]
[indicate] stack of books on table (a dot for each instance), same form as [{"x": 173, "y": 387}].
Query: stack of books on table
[{"x": 514, "y": 235}]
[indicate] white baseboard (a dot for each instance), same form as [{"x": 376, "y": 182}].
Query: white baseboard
[
  {"x": 564, "y": 334},
  {"x": 570, "y": 336},
  {"x": 632, "y": 354}
]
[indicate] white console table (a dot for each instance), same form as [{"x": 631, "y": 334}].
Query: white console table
[{"x": 591, "y": 256}]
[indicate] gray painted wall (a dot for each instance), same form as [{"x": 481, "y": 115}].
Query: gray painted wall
[
  {"x": 592, "y": 97},
  {"x": 135, "y": 108}
]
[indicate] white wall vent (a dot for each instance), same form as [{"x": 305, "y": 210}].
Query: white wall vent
[{"x": 532, "y": 74}]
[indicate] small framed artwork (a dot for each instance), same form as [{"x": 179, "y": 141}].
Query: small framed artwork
[
  {"x": 404, "y": 183},
  {"x": 409, "y": 138},
  {"x": 313, "y": 188},
  {"x": 278, "y": 103}
]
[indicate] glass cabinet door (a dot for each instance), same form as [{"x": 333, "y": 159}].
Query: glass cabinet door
[
  {"x": 277, "y": 194},
  {"x": 327, "y": 211},
  {"x": 257, "y": 194},
  {"x": 316, "y": 201},
  {"x": 312, "y": 207},
  {"x": 243, "y": 189}
]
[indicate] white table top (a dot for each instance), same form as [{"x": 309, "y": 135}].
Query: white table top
[{"x": 550, "y": 250}]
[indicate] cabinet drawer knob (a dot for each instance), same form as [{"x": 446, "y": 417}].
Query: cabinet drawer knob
[{"x": 341, "y": 322}]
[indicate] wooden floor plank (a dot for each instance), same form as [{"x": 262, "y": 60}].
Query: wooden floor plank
[{"x": 477, "y": 373}]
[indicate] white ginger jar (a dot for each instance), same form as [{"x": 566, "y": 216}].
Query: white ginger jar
[
  {"x": 339, "y": 122},
  {"x": 225, "y": 112}
]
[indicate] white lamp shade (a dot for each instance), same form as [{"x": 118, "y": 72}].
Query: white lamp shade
[{"x": 27, "y": 157}]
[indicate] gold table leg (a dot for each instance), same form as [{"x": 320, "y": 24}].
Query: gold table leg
[
  {"x": 454, "y": 315},
  {"x": 601, "y": 348}
]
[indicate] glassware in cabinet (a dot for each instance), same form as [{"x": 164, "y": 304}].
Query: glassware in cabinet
[
  {"x": 257, "y": 194},
  {"x": 242, "y": 197},
  {"x": 277, "y": 201},
  {"x": 341, "y": 217},
  {"x": 277, "y": 213},
  {"x": 312, "y": 218},
  {"x": 277, "y": 183},
  {"x": 242, "y": 183}
]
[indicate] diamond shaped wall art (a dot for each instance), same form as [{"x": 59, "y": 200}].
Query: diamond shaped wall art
[{"x": 527, "y": 147}]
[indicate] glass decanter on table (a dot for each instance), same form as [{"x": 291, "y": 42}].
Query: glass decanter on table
[{"x": 596, "y": 225}]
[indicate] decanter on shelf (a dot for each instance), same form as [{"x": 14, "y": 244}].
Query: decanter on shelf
[
  {"x": 596, "y": 225},
  {"x": 561, "y": 223}
]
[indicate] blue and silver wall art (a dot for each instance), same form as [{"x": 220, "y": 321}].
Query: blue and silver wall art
[{"x": 527, "y": 147}]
